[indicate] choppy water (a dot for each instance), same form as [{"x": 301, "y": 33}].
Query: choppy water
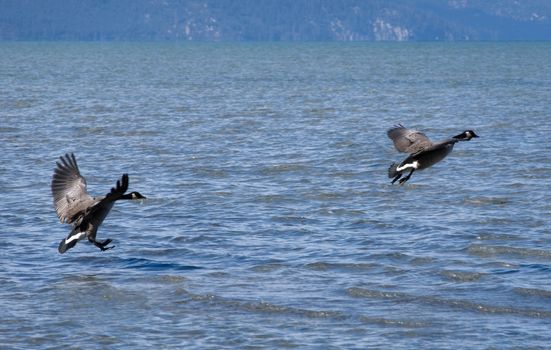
[{"x": 270, "y": 221}]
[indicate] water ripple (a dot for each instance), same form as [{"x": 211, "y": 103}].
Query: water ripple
[
  {"x": 452, "y": 303},
  {"x": 270, "y": 220}
]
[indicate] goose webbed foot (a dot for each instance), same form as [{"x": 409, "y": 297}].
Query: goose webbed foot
[
  {"x": 404, "y": 180},
  {"x": 103, "y": 245}
]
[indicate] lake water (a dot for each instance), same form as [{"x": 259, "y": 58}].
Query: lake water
[{"x": 270, "y": 221}]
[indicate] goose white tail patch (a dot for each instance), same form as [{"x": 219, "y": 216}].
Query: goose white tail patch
[
  {"x": 76, "y": 237},
  {"x": 414, "y": 165}
]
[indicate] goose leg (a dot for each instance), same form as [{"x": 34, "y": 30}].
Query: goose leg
[
  {"x": 102, "y": 245},
  {"x": 407, "y": 177},
  {"x": 396, "y": 178}
]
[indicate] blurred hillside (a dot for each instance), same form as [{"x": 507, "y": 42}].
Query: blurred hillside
[{"x": 275, "y": 20}]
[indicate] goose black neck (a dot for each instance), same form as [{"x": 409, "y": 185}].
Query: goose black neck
[
  {"x": 460, "y": 137},
  {"x": 126, "y": 196}
]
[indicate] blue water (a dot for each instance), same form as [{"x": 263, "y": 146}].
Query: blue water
[{"x": 270, "y": 221}]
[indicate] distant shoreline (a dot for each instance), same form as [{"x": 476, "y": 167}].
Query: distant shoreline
[{"x": 276, "y": 20}]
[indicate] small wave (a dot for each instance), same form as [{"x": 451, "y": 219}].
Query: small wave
[
  {"x": 7, "y": 129},
  {"x": 479, "y": 201},
  {"x": 194, "y": 239},
  {"x": 394, "y": 256},
  {"x": 283, "y": 168},
  {"x": 271, "y": 198},
  {"x": 452, "y": 303},
  {"x": 130, "y": 133},
  {"x": 394, "y": 322},
  {"x": 421, "y": 260},
  {"x": 322, "y": 266},
  {"x": 486, "y": 250},
  {"x": 541, "y": 293},
  {"x": 340, "y": 211},
  {"x": 262, "y": 307},
  {"x": 273, "y": 308},
  {"x": 498, "y": 237},
  {"x": 377, "y": 294},
  {"x": 270, "y": 308},
  {"x": 461, "y": 276},
  {"x": 209, "y": 172},
  {"x": 267, "y": 267},
  {"x": 293, "y": 220},
  {"x": 223, "y": 193},
  {"x": 540, "y": 267},
  {"x": 152, "y": 265},
  {"x": 93, "y": 130}
]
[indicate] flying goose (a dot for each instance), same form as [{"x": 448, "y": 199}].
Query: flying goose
[
  {"x": 75, "y": 206},
  {"x": 422, "y": 152}
]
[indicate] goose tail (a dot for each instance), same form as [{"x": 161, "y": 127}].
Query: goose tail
[
  {"x": 70, "y": 241},
  {"x": 65, "y": 246}
]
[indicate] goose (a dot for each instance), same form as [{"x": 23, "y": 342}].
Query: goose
[
  {"x": 75, "y": 206},
  {"x": 422, "y": 152}
]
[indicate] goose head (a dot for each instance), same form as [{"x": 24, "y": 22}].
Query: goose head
[
  {"x": 133, "y": 195},
  {"x": 466, "y": 135}
]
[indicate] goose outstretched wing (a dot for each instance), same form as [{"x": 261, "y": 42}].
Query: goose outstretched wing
[
  {"x": 96, "y": 213},
  {"x": 69, "y": 190},
  {"x": 116, "y": 192},
  {"x": 408, "y": 140}
]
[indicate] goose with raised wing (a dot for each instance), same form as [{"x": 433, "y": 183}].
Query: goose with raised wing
[
  {"x": 75, "y": 206},
  {"x": 422, "y": 152}
]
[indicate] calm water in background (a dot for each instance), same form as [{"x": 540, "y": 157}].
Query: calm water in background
[{"x": 270, "y": 222}]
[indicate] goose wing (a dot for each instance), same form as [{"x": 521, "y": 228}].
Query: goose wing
[
  {"x": 97, "y": 213},
  {"x": 408, "y": 140},
  {"x": 69, "y": 190},
  {"x": 116, "y": 192}
]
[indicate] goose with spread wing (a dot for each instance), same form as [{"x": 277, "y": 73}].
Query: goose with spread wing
[
  {"x": 75, "y": 206},
  {"x": 422, "y": 152}
]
